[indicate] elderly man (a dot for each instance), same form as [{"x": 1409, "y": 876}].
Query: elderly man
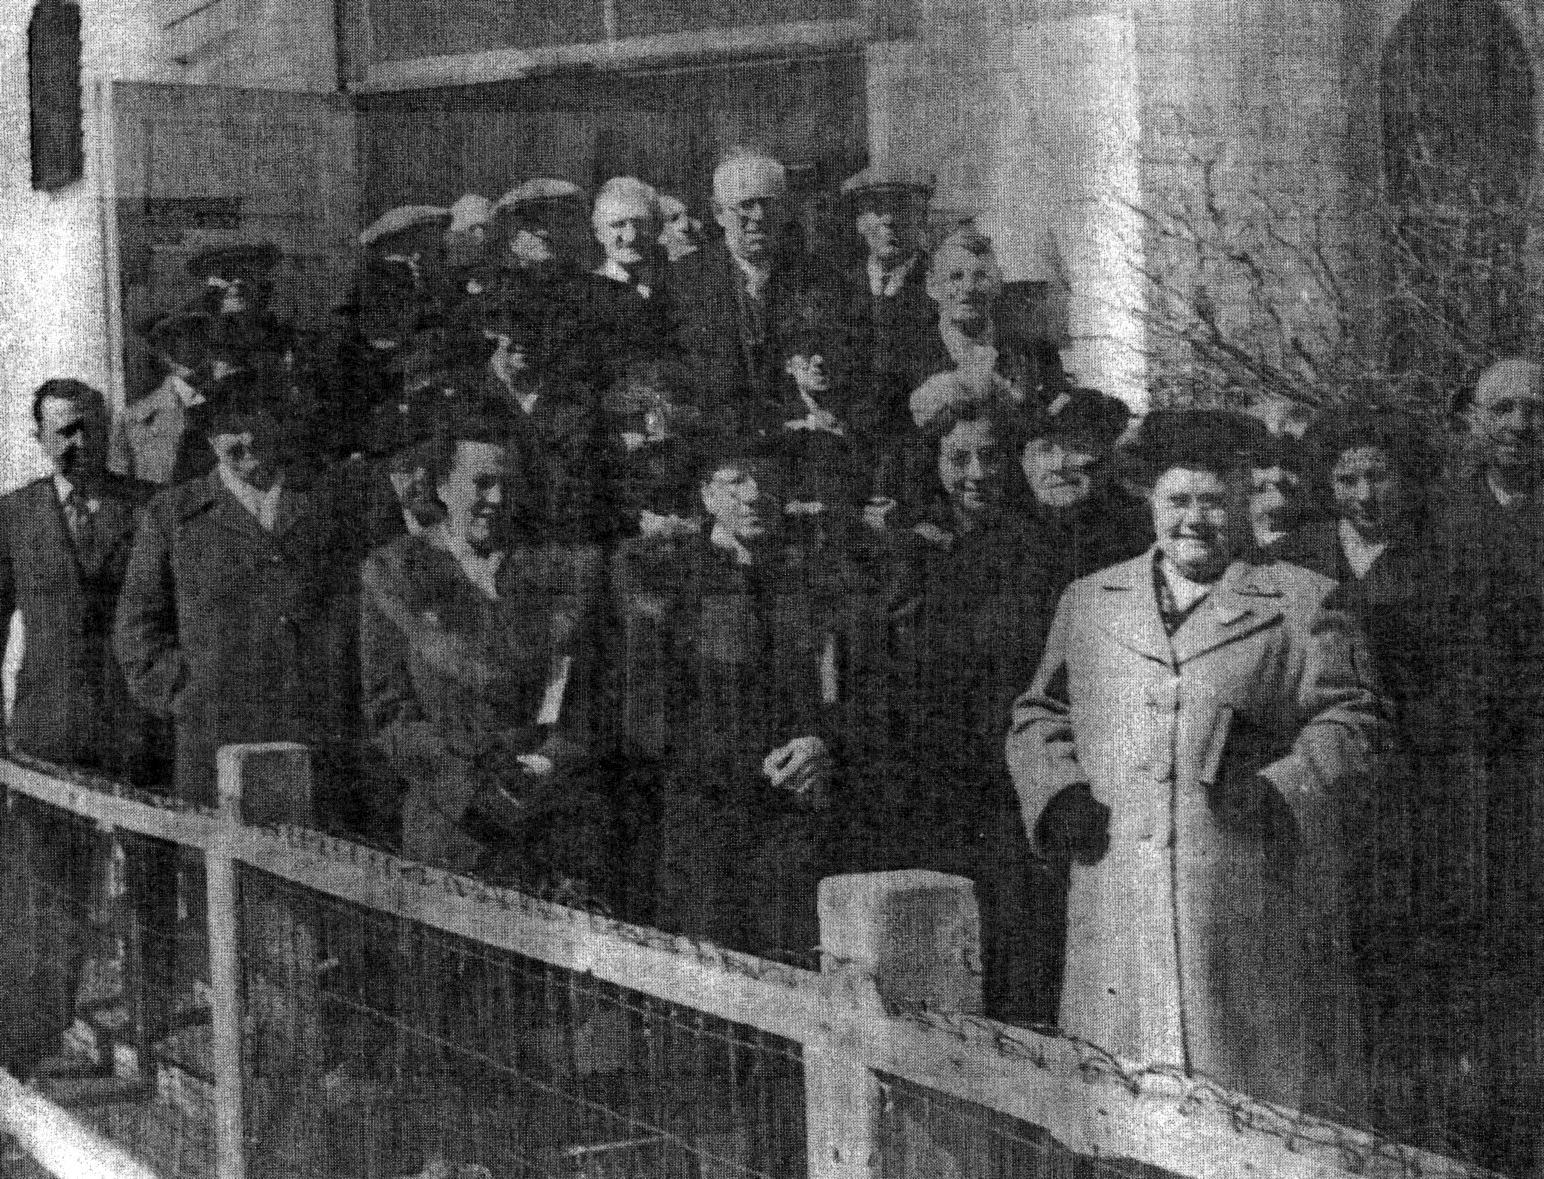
[
  {"x": 64, "y": 543},
  {"x": 885, "y": 296},
  {"x": 1191, "y": 741},
  {"x": 737, "y": 297},
  {"x": 964, "y": 281},
  {"x": 1488, "y": 526},
  {"x": 627, "y": 309},
  {"x": 734, "y": 676}
]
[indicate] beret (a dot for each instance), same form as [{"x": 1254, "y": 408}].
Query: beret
[{"x": 540, "y": 190}]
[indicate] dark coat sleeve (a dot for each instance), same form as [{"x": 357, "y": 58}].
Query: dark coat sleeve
[{"x": 145, "y": 637}]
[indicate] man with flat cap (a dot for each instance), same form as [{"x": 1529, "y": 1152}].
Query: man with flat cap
[
  {"x": 886, "y": 296},
  {"x": 1192, "y": 744},
  {"x": 238, "y": 282},
  {"x": 538, "y": 229},
  {"x": 1081, "y": 521},
  {"x": 736, "y": 297}
]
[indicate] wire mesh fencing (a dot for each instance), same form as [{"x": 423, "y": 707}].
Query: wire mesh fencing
[{"x": 380, "y": 1047}]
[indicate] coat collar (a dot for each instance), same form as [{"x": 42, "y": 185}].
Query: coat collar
[{"x": 1246, "y": 599}]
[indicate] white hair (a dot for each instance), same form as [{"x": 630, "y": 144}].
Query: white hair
[{"x": 626, "y": 190}]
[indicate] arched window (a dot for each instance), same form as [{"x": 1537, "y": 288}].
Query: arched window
[{"x": 1457, "y": 99}]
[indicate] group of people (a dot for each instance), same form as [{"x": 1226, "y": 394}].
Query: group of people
[{"x": 675, "y": 585}]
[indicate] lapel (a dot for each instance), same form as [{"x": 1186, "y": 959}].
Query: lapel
[
  {"x": 53, "y": 530},
  {"x": 1245, "y": 600},
  {"x": 1128, "y": 609}
]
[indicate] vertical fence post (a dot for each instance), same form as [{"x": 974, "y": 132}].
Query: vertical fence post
[
  {"x": 917, "y": 935},
  {"x": 256, "y": 783}
]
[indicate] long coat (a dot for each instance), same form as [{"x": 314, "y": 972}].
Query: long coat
[
  {"x": 148, "y": 434},
  {"x": 449, "y": 672},
  {"x": 1207, "y": 937},
  {"x": 882, "y": 331},
  {"x": 223, "y": 626}
]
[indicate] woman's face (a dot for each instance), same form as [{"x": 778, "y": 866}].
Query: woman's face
[
  {"x": 1062, "y": 472},
  {"x": 970, "y": 468},
  {"x": 1275, "y": 502},
  {"x": 1370, "y": 493}
]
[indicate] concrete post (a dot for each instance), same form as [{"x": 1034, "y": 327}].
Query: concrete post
[{"x": 917, "y": 935}]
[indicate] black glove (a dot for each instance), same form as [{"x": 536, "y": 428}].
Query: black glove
[{"x": 1075, "y": 824}]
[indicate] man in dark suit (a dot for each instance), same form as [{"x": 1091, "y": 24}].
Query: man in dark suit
[
  {"x": 885, "y": 295},
  {"x": 222, "y": 621},
  {"x": 736, "y": 298},
  {"x": 64, "y": 542}
]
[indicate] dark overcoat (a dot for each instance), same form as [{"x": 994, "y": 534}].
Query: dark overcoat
[
  {"x": 223, "y": 626},
  {"x": 726, "y": 663},
  {"x": 451, "y": 675},
  {"x": 1208, "y": 937}
]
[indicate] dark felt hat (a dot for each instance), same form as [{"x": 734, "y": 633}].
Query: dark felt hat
[
  {"x": 237, "y": 400},
  {"x": 241, "y": 262},
  {"x": 1401, "y": 438},
  {"x": 1216, "y": 440},
  {"x": 1081, "y": 413}
]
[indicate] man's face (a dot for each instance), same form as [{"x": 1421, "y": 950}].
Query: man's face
[
  {"x": 1062, "y": 472},
  {"x": 964, "y": 284},
  {"x": 248, "y": 449},
  {"x": 1505, "y": 418},
  {"x": 890, "y": 231},
  {"x": 473, "y": 493},
  {"x": 1369, "y": 492},
  {"x": 1274, "y": 498},
  {"x": 741, "y": 500},
  {"x": 511, "y": 359},
  {"x": 810, "y": 373},
  {"x": 1194, "y": 516},
  {"x": 73, "y": 435},
  {"x": 970, "y": 467},
  {"x": 750, "y": 225},
  {"x": 233, "y": 296},
  {"x": 531, "y": 245},
  {"x": 627, "y": 230}
]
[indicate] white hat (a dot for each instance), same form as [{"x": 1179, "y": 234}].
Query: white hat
[
  {"x": 746, "y": 174},
  {"x": 917, "y": 181},
  {"x": 401, "y": 218},
  {"x": 471, "y": 210}
]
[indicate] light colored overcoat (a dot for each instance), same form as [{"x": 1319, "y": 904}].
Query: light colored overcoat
[{"x": 1208, "y": 938}]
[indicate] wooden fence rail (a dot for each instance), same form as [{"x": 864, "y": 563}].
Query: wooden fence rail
[{"x": 904, "y": 940}]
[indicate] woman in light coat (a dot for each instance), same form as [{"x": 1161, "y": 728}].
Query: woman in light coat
[{"x": 1196, "y": 730}]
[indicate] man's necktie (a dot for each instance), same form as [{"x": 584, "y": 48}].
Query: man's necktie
[{"x": 77, "y": 511}]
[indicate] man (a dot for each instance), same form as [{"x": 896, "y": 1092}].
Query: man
[
  {"x": 222, "y": 622},
  {"x": 1190, "y": 745},
  {"x": 736, "y": 298},
  {"x": 682, "y": 233},
  {"x": 964, "y": 282},
  {"x": 1488, "y": 528},
  {"x": 537, "y": 237},
  {"x": 148, "y": 434},
  {"x": 238, "y": 282},
  {"x": 886, "y": 299},
  {"x": 1081, "y": 522},
  {"x": 627, "y": 310},
  {"x": 477, "y": 656},
  {"x": 64, "y": 543},
  {"x": 734, "y": 679}
]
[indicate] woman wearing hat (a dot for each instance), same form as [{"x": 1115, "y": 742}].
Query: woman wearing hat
[
  {"x": 1082, "y": 520},
  {"x": 1188, "y": 748}
]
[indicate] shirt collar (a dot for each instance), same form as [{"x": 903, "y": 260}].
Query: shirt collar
[
  {"x": 887, "y": 283},
  {"x": 264, "y": 505},
  {"x": 757, "y": 278},
  {"x": 1505, "y": 498},
  {"x": 615, "y": 271},
  {"x": 63, "y": 488},
  {"x": 1360, "y": 554},
  {"x": 728, "y": 542},
  {"x": 482, "y": 571},
  {"x": 184, "y": 392}
]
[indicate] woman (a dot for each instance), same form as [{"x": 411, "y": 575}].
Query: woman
[
  {"x": 1370, "y": 469},
  {"x": 968, "y": 612}
]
